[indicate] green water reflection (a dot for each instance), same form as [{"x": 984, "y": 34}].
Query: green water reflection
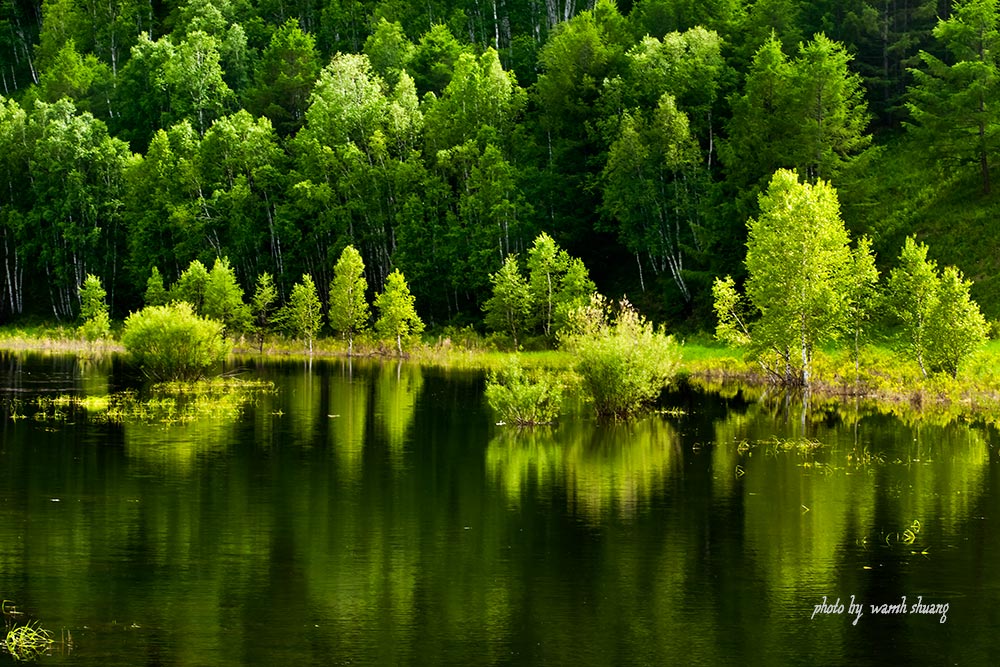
[{"x": 372, "y": 513}]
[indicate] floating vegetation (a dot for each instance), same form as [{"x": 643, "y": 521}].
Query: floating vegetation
[
  {"x": 864, "y": 458},
  {"x": 28, "y": 640},
  {"x": 907, "y": 537},
  {"x": 163, "y": 403},
  {"x": 910, "y": 534},
  {"x": 801, "y": 446}
]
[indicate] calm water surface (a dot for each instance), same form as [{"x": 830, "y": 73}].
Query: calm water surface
[{"x": 376, "y": 515}]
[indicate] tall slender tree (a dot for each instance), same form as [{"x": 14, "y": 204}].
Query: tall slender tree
[
  {"x": 348, "y": 312},
  {"x": 397, "y": 313}
]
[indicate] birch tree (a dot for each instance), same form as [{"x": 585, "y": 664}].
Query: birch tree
[
  {"x": 799, "y": 266},
  {"x": 348, "y": 304},
  {"x": 397, "y": 313}
]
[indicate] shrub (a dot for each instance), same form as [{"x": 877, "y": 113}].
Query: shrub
[
  {"x": 525, "y": 399},
  {"x": 624, "y": 363},
  {"x": 173, "y": 343}
]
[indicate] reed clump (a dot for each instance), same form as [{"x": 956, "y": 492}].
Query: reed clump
[{"x": 27, "y": 640}]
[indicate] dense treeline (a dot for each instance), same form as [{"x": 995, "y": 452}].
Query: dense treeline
[{"x": 441, "y": 138}]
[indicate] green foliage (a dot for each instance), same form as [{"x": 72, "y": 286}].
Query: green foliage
[
  {"x": 913, "y": 288},
  {"x": 957, "y": 327},
  {"x": 156, "y": 294},
  {"x": 480, "y": 93},
  {"x": 954, "y": 106},
  {"x": 648, "y": 188},
  {"x": 426, "y": 157},
  {"x": 389, "y": 50},
  {"x": 348, "y": 304},
  {"x": 733, "y": 322},
  {"x": 28, "y": 642},
  {"x": 224, "y": 298},
  {"x": 557, "y": 284},
  {"x": 302, "y": 317},
  {"x": 624, "y": 361},
  {"x": 523, "y": 398},
  {"x": 190, "y": 286},
  {"x": 864, "y": 295},
  {"x": 261, "y": 308},
  {"x": 94, "y": 309},
  {"x": 92, "y": 298},
  {"x": 509, "y": 308},
  {"x": 397, "y": 314},
  {"x": 799, "y": 266},
  {"x": 173, "y": 343},
  {"x": 809, "y": 114},
  {"x": 284, "y": 78},
  {"x": 942, "y": 326},
  {"x": 433, "y": 60}
]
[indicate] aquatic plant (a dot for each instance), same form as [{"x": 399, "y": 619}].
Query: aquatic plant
[
  {"x": 26, "y": 640},
  {"x": 524, "y": 398},
  {"x": 29, "y": 641},
  {"x": 164, "y": 403},
  {"x": 802, "y": 446}
]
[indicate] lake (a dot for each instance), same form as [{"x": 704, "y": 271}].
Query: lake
[{"x": 374, "y": 513}]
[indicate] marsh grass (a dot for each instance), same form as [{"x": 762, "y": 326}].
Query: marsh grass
[
  {"x": 27, "y": 640},
  {"x": 882, "y": 382},
  {"x": 54, "y": 340}
]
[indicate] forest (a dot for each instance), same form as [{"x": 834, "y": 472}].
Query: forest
[{"x": 441, "y": 138}]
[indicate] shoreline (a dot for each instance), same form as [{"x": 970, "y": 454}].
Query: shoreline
[{"x": 707, "y": 367}]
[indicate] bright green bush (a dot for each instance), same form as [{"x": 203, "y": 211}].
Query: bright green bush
[
  {"x": 522, "y": 398},
  {"x": 173, "y": 343},
  {"x": 623, "y": 361}
]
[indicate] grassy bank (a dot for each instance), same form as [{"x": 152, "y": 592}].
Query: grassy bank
[
  {"x": 882, "y": 379},
  {"x": 57, "y": 339}
]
